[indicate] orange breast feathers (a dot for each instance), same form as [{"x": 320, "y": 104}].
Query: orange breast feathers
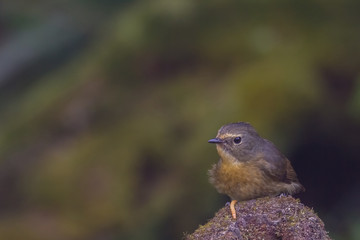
[{"x": 240, "y": 181}]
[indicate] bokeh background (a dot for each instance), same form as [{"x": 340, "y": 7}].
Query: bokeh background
[{"x": 106, "y": 108}]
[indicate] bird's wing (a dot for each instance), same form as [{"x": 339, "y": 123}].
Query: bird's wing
[
  {"x": 275, "y": 165},
  {"x": 275, "y": 171}
]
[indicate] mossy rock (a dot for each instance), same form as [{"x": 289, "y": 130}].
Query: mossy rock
[{"x": 281, "y": 217}]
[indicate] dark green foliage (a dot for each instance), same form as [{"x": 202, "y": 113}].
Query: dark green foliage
[{"x": 110, "y": 135}]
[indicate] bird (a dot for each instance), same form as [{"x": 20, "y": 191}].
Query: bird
[{"x": 250, "y": 166}]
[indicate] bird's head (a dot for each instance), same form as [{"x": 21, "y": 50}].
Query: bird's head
[{"x": 237, "y": 142}]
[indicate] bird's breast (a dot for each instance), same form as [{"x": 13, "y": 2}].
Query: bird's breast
[{"x": 239, "y": 180}]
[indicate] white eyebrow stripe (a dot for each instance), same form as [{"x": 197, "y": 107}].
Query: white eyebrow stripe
[{"x": 229, "y": 135}]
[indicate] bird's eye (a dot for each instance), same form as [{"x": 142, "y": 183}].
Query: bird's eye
[{"x": 237, "y": 140}]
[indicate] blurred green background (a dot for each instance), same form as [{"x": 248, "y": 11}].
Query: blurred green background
[{"x": 106, "y": 108}]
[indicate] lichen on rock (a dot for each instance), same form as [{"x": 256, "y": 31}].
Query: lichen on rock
[{"x": 281, "y": 217}]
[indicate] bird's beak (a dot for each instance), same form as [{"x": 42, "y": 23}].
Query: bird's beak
[{"x": 215, "y": 140}]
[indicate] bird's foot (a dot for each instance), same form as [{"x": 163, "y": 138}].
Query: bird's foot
[
  {"x": 283, "y": 195},
  {"x": 232, "y": 208}
]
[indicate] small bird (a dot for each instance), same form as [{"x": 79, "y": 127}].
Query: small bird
[{"x": 250, "y": 166}]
